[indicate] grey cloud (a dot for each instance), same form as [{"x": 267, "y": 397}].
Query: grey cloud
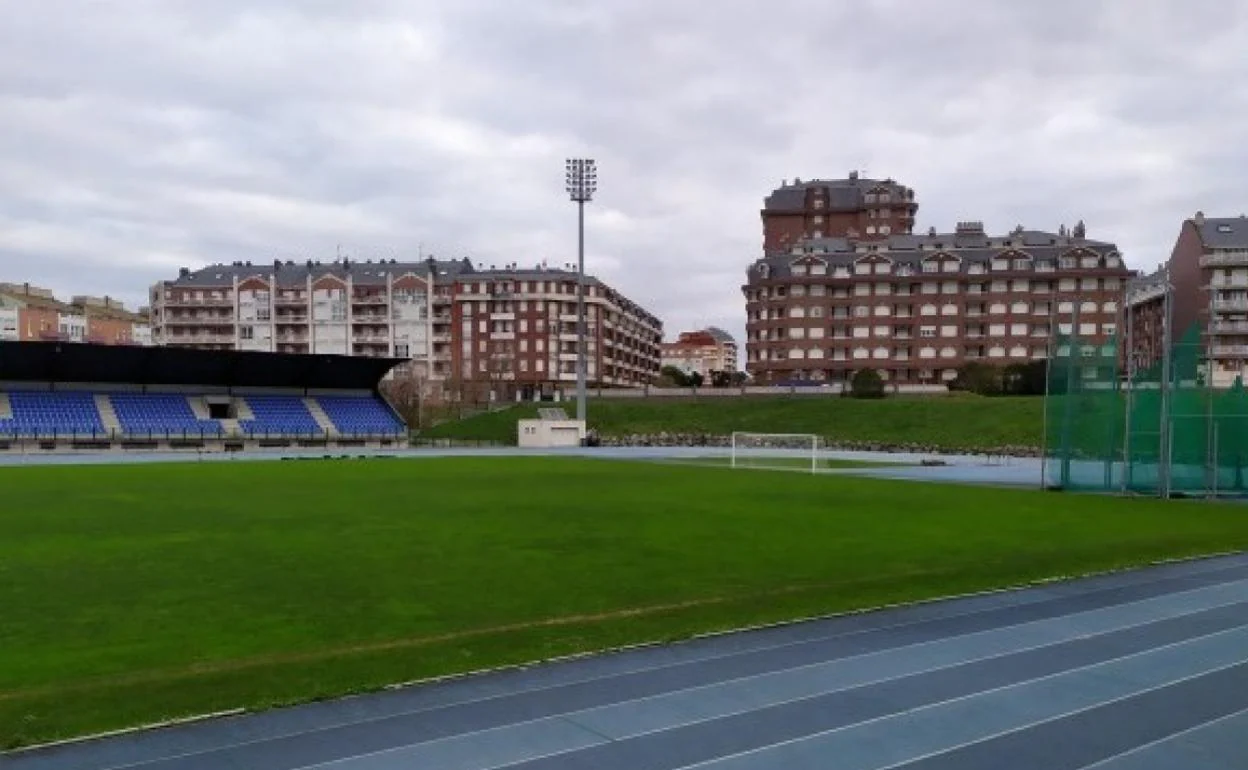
[{"x": 140, "y": 135}]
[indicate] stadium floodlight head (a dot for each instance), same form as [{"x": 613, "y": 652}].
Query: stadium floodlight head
[{"x": 582, "y": 179}]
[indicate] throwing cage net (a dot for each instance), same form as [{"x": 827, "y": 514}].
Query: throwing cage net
[{"x": 1169, "y": 429}]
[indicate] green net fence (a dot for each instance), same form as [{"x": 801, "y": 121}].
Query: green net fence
[{"x": 1152, "y": 435}]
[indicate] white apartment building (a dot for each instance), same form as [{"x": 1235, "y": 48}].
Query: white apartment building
[{"x": 509, "y": 327}]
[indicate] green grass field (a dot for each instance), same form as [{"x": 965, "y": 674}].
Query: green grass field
[
  {"x": 133, "y": 593},
  {"x": 951, "y": 422}
]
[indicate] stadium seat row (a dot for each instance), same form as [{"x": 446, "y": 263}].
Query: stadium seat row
[{"x": 40, "y": 413}]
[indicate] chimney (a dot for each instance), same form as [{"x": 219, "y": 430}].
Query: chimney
[{"x": 1199, "y": 219}]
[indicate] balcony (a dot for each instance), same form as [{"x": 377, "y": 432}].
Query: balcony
[
  {"x": 1236, "y": 258},
  {"x": 288, "y": 301},
  {"x": 1239, "y": 305},
  {"x": 290, "y": 318},
  {"x": 369, "y": 299},
  {"x": 502, "y": 316},
  {"x": 1230, "y": 351},
  {"x": 1229, "y": 327},
  {"x": 202, "y": 302}
]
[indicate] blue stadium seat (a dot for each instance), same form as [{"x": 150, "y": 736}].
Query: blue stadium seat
[
  {"x": 160, "y": 414},
  {"x": 356, "y": 415},
  {"x": 39, "y": 413},
  {"x": 279, "y": 415}
]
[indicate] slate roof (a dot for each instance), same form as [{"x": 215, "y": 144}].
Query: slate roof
[
  {"x": 294, "y": 274},
  {"x": 1223, "y": 232},
  {"x": 970, "y": 245},
  {"x": 719, "y": 334},
  {"x": 841, "y": 194}
]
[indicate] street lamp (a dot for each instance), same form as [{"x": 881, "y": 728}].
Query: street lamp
[{"x": 582, "y": 183}]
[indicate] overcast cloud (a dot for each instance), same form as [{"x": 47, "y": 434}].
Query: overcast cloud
[{"x": 138, "y": 136}]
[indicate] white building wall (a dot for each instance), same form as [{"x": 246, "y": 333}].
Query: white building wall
[
  {"x": 141, "y": 334},
  {"x": 73, "y": 327},
  {"x": 8, "y": 325}
]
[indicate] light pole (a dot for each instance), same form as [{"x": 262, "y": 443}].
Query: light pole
[{"x": 582, "y": 182}]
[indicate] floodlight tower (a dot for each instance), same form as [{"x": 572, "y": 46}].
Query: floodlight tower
[{"x": 582, "y": 183}]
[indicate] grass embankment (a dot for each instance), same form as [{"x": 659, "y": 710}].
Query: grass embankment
[
  {"x": 947, "y": 422},
  {"x": 139, "y": 592}
]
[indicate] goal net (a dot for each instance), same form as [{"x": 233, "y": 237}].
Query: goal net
[{"x": 781, "y": 451}]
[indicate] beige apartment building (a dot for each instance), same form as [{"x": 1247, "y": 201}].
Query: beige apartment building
[
  {"x": 1208, "y": 275},
  {"x": 916, "y": 307},
  {"x": 510, "y": 329},
  {"x": 701, "y": 352}
]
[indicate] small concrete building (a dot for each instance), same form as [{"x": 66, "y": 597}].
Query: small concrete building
[{"x": 552, "y": 428}]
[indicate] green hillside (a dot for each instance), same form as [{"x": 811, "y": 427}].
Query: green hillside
[{"x": 953, "y": 422}]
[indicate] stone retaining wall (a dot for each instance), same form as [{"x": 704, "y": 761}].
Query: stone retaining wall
[{"x": 712, "y": 440}]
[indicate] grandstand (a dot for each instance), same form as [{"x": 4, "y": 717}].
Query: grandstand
[{"x": 57, "y": 396}]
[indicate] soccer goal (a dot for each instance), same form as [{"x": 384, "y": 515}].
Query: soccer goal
[{"x": 781, "y": 451}]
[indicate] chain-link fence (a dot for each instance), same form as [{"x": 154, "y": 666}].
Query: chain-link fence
[{"x": 1165, "y": 430}]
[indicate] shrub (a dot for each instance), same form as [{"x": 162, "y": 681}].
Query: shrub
[{"x": 867, "y": 383}]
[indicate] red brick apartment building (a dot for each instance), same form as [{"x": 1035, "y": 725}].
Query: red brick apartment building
[
  {"x": 916, "y": 307},
  {"x": 33, "y": 313},
  {"x": 853, "y": 207},
  {"x": 1145, "y": 318},
  {"x": 512, "y": 329},
  {"x": 1208, "y": 269}
]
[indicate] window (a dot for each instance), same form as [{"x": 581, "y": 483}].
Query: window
[
  {"x": 401, "y": 350},
  {"x": 246, "y": 333}
]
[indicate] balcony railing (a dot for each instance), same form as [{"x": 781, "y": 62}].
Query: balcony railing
[
  {"x": 1229, "y": 351},
  {"x": 1238, "y": 257},
  {"x": 1230, "y": 304},
  {"x": 1229, "y": 327}
]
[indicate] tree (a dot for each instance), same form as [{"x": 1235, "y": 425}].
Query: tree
[
  {"x": 980, "y": 378},
  {"x": 676, "y": 377},
  {"x": 409, "y": 391},
  {"x": 1025, "y": 379},
  {"x": 867, "y": 383},
  {"x": 694, "y": 379}
]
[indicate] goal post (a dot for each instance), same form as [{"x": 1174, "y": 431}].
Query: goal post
[{"x": 787, "y": 451}]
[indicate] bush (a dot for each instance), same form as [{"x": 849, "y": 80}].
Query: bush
[
  {"x": 867, "y": 383},
  {"x": 978, "y": 378}
]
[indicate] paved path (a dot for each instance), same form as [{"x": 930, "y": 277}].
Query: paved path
[
  {"x": 1134, "y": 671},
  {"x": 964, "y": 469}
]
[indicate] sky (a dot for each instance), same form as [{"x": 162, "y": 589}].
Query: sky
[{"x": 140, "y": 136}]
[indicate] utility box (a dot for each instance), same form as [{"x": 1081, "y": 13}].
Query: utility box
[{"x": 551, "y": 429}]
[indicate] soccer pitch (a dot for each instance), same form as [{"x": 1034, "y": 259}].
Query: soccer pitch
[{"x": 134, "y": 593}]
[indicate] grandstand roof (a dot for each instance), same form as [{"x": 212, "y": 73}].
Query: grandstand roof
[{"x": 67, "y": 362}]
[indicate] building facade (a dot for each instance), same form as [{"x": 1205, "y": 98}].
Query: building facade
[
  {"x": 1208, "y": 270},
  {"x": 507, "y": 329},
  {"x": 1145, "y": 319},
  {"x": 854, "y": 208},
  {"x": 917, "y": 307},
  {"x": 701, "y": 352},
  {"x": 33, "y": 313}
]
